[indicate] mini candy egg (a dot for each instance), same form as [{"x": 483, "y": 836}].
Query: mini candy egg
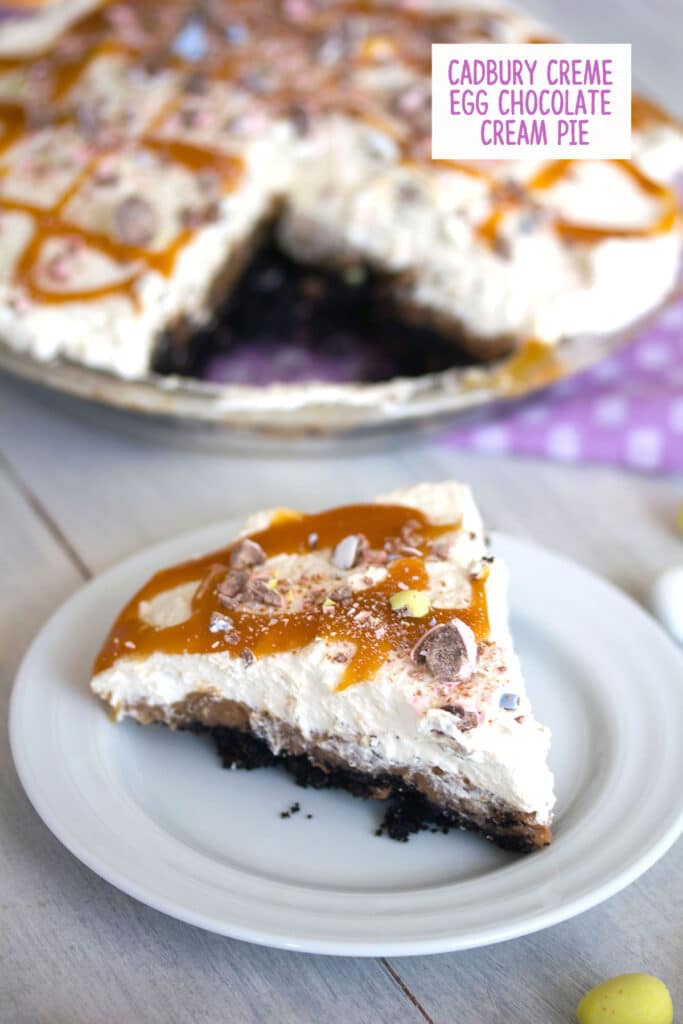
[
  {"x": 666, "y": 601},
  {"x": 628, "y": 999},
  {"x": 413, "y": 603}
]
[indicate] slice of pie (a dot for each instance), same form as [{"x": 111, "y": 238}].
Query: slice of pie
[{"x": 365, "y": 647}]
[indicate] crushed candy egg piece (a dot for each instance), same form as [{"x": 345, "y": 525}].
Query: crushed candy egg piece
[
  {"x": 627, "y": 999},
  {"x": 413, "y": 603}
]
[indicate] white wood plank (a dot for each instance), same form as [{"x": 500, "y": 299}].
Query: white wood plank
[
  {"x": 540, "y": 979},
  {"x": 74, "y": 950}
]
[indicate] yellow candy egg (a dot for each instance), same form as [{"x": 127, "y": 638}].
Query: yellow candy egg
[{"x": 628, "y": 999}]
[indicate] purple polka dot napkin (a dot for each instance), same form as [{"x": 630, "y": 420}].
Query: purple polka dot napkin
[{"x": 626, "y": 411}]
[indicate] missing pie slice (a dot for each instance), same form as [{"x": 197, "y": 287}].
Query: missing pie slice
[{"x": 365, "y": 647}]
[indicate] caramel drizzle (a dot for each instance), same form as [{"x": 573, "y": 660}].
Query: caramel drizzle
[
  {"x": 93, "y": 36},
  {"x": 367, "y": 622}
]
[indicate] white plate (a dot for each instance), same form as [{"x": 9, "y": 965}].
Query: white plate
[{"x": 152, "y": 812}]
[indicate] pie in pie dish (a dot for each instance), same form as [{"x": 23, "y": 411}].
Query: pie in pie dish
[
  {"x": 144, "y": 148},
  {"x": 365, "y": 647}
]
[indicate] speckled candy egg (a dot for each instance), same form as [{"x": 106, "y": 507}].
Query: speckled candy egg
[
  {"x": 666, "y": 601},
  {"x": 628, "y": 999}
]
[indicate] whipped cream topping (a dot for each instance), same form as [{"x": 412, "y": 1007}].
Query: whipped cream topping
[
  {"x": 402, "y": 716},
  {"x": 350, "y": 188}
]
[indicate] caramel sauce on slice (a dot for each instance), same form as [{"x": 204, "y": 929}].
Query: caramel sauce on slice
[{"x": 367, "y": 620}]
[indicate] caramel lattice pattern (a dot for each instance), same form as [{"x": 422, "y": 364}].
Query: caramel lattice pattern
[{"x": 283, "y": 48}]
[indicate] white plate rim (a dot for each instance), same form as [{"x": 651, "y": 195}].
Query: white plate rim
[{"x": 650, "y": 849}]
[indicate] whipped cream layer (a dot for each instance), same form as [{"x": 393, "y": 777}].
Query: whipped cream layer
[{"x": 399, "y": 718}]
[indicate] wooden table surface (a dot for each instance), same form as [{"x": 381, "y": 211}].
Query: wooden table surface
[{"x": 74, "y": 498}]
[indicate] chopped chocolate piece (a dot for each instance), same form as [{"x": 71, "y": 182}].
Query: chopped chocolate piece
[
  {"x": 211, "y": 212},
  {"x": 301, "y": 120},
  {"x": 408, "y": 192},
  {"x": 106, "y": 176},
  {"x": 343, "y": 593},
  {"x": 449, "y": 651},
  {"x": 135, "y": 221},
  {"x": 502, "y": 246},
  {"x": 247, "y": 553},
  {"x": 248, "y": 656},
  {"x": 234, "y": 583},
  {"x": 188, "y": 117},
  {"x": 196, "y": 84},
  {"x": 350, "y": 551},
  {"x": 191, "y": 217},
  {"x": 261, "y": 593}
]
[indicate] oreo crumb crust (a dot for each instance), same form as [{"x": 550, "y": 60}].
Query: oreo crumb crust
[{"x": 407, "y": 812}]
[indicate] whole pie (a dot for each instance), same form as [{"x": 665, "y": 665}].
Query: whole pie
[
  {"x": 365, "y": 647},
  {"x": 145, "y": 148}
]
